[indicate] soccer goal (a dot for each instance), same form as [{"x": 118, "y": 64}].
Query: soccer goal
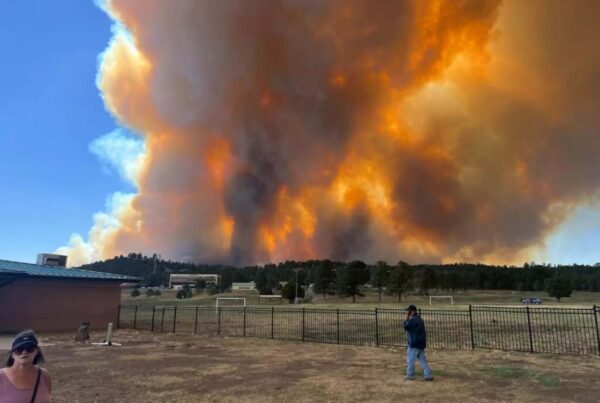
[
  {"x": 442, "y": 296},
  {"x": 269, "y": 298},
  {"x": 219, "y": 299}
]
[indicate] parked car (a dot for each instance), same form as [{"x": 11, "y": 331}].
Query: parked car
[{"x": 532, "y": 301}]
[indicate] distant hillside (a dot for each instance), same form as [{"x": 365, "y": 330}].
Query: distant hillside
[
  {"x": 531, "y": 277},
  {"x": 155, "y": 271}
]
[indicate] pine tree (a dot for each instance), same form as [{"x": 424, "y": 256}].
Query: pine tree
[
  {"x": 400, "y": 279},
  {"x": 559, "y": 287}
]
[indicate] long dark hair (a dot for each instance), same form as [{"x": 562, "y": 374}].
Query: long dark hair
[{"x": 39, "y": 358}]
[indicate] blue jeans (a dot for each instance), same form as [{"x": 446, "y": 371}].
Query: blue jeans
[{"x": 412, "y": 354}]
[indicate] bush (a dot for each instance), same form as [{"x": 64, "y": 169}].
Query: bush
[
  {"x": 135, "y": 293},
  {"x": 150, "y": 292},
  {"x": 559, "y": 287},
  {"x": 266, "y": 291},
  {"x": 184, "y": 293},
  {"x": 289, "y": 291}
]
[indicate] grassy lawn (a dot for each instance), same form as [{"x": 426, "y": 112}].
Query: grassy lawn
[
  {"x": 187, "y": 368},
  {"x": 371, "y": 299}
]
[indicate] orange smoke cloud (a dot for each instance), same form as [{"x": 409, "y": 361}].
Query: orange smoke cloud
[{"x": 415, "y": 130}]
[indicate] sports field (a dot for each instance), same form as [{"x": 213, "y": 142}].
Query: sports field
[
  {"x": 187, "y": 368},
  {"x": 371, "y": 299}
]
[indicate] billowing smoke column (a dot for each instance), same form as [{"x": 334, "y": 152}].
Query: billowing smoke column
[{"x": 422, "y": 130}]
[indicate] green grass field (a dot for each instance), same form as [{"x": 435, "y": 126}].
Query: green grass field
[
  {"x": 497, "y": 320},
  {"x": 371, "y": 299}
]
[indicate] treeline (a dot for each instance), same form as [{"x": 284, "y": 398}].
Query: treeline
[{"x": 343, "y": 278}]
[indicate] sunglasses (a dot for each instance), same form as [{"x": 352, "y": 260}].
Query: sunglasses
[{"x": 27, "y": 348}]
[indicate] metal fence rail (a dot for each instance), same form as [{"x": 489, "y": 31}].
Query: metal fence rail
[{"x": 547, "y": 330}]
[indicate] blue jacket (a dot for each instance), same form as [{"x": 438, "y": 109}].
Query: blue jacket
[{"x": 417, "y": 337}]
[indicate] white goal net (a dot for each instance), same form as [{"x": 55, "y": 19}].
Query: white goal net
[
  {"x": 450, "y": 297},
  {"x": 225, "y": 301}
]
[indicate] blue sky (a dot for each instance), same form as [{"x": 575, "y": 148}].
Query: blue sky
[{"x": 50, "y": 113}]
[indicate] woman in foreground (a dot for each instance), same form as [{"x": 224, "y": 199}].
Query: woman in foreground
[{"x": 22, "y": 381}]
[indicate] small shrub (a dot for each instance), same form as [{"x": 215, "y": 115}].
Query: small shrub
[
  {"x": 184, "y": 293},
  {"x": 135, "y": 293},
  {"x": 289, "y": 291}
]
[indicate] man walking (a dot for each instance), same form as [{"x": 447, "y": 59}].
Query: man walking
[{"x": 417, "y": 341}]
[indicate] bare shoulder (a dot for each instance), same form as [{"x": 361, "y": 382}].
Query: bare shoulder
[
  {"x": 45, "y": 373},
  {"x": 46, "y": 377}
]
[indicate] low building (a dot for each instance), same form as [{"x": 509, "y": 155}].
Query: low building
[
  {"x": 179, "y": 280},
  {"x": 243, "y": 286},
  {"x": 53, "y": 298},
  {"x": 51, "y": 259}
]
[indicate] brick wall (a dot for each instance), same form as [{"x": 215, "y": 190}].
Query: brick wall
[{"x": 57, "y": 304}]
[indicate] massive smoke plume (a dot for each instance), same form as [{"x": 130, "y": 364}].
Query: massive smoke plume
[{"x": 416, "y": 130}]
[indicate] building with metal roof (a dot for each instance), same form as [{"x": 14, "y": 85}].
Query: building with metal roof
[
  {"x": 54, "y": 298},
  {"x": 191, "y": 279}
]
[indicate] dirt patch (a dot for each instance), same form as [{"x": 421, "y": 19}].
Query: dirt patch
[{"x": 187, "y": 368}]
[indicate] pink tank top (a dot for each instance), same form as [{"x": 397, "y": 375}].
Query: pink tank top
[{"x": 10, "y": 394}]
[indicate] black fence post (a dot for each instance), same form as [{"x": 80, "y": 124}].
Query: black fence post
[
  {"x": 595, "y": 311},
  {"x": 471, "y": 327},
  {"x": 337, "y": 314},
  {"x": 119, "y": 316},
  {"x": 303, "y": 324},
  {"x": 376, "y": 329},
  {"x": 219, "y": 321},
  {"x": 529, "y": 327},
  {"x": 357, "y": 334},
  {"x": 152, "y": 325}
]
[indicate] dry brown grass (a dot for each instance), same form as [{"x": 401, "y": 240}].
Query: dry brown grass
[{"x": 187, "y": 368}]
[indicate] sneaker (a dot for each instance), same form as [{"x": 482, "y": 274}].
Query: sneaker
[
  {"x": 428, "y": 379},
  {"x": 409, "y": 379}
]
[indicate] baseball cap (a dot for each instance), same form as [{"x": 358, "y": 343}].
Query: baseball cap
[
  {"x": 411, "y": 308},
  {"x": 23, "y": 338}
]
